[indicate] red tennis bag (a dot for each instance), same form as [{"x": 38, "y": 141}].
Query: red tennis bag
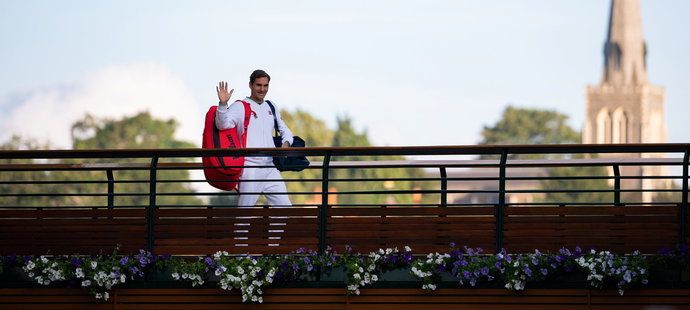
[{"x": 223, "y": 172}]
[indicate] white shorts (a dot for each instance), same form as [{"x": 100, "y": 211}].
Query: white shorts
[{"x": 274, "y": 190}]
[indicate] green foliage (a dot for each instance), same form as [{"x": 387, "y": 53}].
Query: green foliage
[
  {"x": 17, "y": 143},
  {"x": 317, "y": 133},
  {"x": 138, "y": 131},
  {"x": 586, "y": 184},
  {"x": 530, "y": 126},
  {"x": 535, "y": 126},
  {"x": 346, "y": 135}
]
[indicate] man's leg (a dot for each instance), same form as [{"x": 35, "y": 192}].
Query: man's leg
[
  {"x": 250, "y": 188},
  {"x": 276, "y": 194},
  {"x": 242, "y": 226},
  {"x": 275, "y": 191}
]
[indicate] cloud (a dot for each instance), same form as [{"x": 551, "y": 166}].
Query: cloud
[{"x": 47, "y": 113}]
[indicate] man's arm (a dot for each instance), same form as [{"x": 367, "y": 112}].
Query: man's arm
[
  {"x": 227, "y": 116},
  {"x": 223, "y": 93},
  {"x": 283, "y": 128}
]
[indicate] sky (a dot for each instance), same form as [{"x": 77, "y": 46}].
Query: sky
[{"x": 410, "y": 73}]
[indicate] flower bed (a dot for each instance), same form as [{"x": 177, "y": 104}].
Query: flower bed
[{"x": 468, "y": 267}]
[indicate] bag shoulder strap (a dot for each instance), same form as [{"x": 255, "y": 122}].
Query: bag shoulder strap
[
  {"x": 247, "y": 118},
  {"x": 275, "y": 118}
]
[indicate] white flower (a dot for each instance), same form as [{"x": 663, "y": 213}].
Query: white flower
[
  {"x": 122, "y": 278},
  {"x": 30, "y": 265},
  {"x": 175, "y": 276},
  {"x": 240, "y": 270},
  {"x": 86, "y": 283},
  {"x": 94, "y": 264},
  {"x": 106, "y": 296},
  {"x": 79, "y": 273},
  {"x": 408, "y": 249}
]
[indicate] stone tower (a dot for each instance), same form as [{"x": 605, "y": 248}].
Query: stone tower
[{"x": 625, "y": 107}]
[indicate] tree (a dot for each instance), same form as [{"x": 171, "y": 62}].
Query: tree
[
  {"x": 346, "y": 135},
  {"x": 534, "y": 126},
  {"x": 317, "y": 133},
  {"x": 13, "y": 183},
  {"x": 136, "y": 132},
  {"x": 530, "y": 126}
]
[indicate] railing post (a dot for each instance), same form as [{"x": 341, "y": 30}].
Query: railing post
[
  {"x": 111, "y": 188},
  {"x": 444, "y": 187},
  {"x": 501, "y": 200},
  {"x": 323, "y": 212},
  {"x": 152, "y": 204},
  {"x": 617, "y": 185},
  {"x": 684, "y": 200}
]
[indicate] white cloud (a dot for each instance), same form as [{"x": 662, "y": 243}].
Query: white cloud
[{"x": 114, "y": 91}]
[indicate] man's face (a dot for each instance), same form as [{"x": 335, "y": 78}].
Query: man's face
[{"x": 259, "y": 88}]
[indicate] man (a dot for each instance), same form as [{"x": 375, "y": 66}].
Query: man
[{"x": 259, "y": 135}]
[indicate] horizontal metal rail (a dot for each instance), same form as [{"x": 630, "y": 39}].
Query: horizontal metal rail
[{"x": 117, "y": 179}]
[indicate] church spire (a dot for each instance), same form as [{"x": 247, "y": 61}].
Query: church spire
[{"x": 625, "y": 51}]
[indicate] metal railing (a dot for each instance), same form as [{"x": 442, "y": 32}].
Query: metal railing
[{"x": 440, "y": 184}]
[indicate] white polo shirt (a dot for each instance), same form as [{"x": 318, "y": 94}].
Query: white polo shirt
[{"x": 260, "y": 129}]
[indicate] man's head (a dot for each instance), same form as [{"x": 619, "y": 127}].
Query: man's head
[{"x": 258, "y": 83}]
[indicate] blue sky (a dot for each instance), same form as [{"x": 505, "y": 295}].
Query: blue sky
[{"x": 410, "y": 72}]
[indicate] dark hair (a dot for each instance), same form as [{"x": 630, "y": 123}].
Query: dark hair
[{"x": 258, "y": 74}]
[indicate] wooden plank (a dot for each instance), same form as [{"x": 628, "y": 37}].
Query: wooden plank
[
  {"x": 585, "y": 210},
  {"x": 235, "y": 212},
  {"x": 49, "y": 212},
  {"x": 409, "y": 211}
]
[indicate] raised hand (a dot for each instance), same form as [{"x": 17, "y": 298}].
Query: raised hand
[{"x": 223, "y": 93}]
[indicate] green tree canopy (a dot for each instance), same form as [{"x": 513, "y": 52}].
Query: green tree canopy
[
  {"x": 534, "y": 126},
  {"x": 138, "y": 131},
  {"x": 530, "y": 126}
]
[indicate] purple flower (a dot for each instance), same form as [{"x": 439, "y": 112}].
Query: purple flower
[
  {"x": 209, "y": 261},
  {"x": 124, "y": 260},
  {"x": 452, "y": 244},
  {"x": 484, "y": 270},
  {"x": 528, "y": 271},
  {"x": 544, "y": 271},
  {"x": 143, "y": 261},
  {"x": 466, "y": 274},
  {"x": 134, "y": 270},
  {"x": 535, "y": 261},
  {"x": 75, "y": 262},
  {"x": 455, "y": 253},
  {"x": 310, "y": 267}
]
